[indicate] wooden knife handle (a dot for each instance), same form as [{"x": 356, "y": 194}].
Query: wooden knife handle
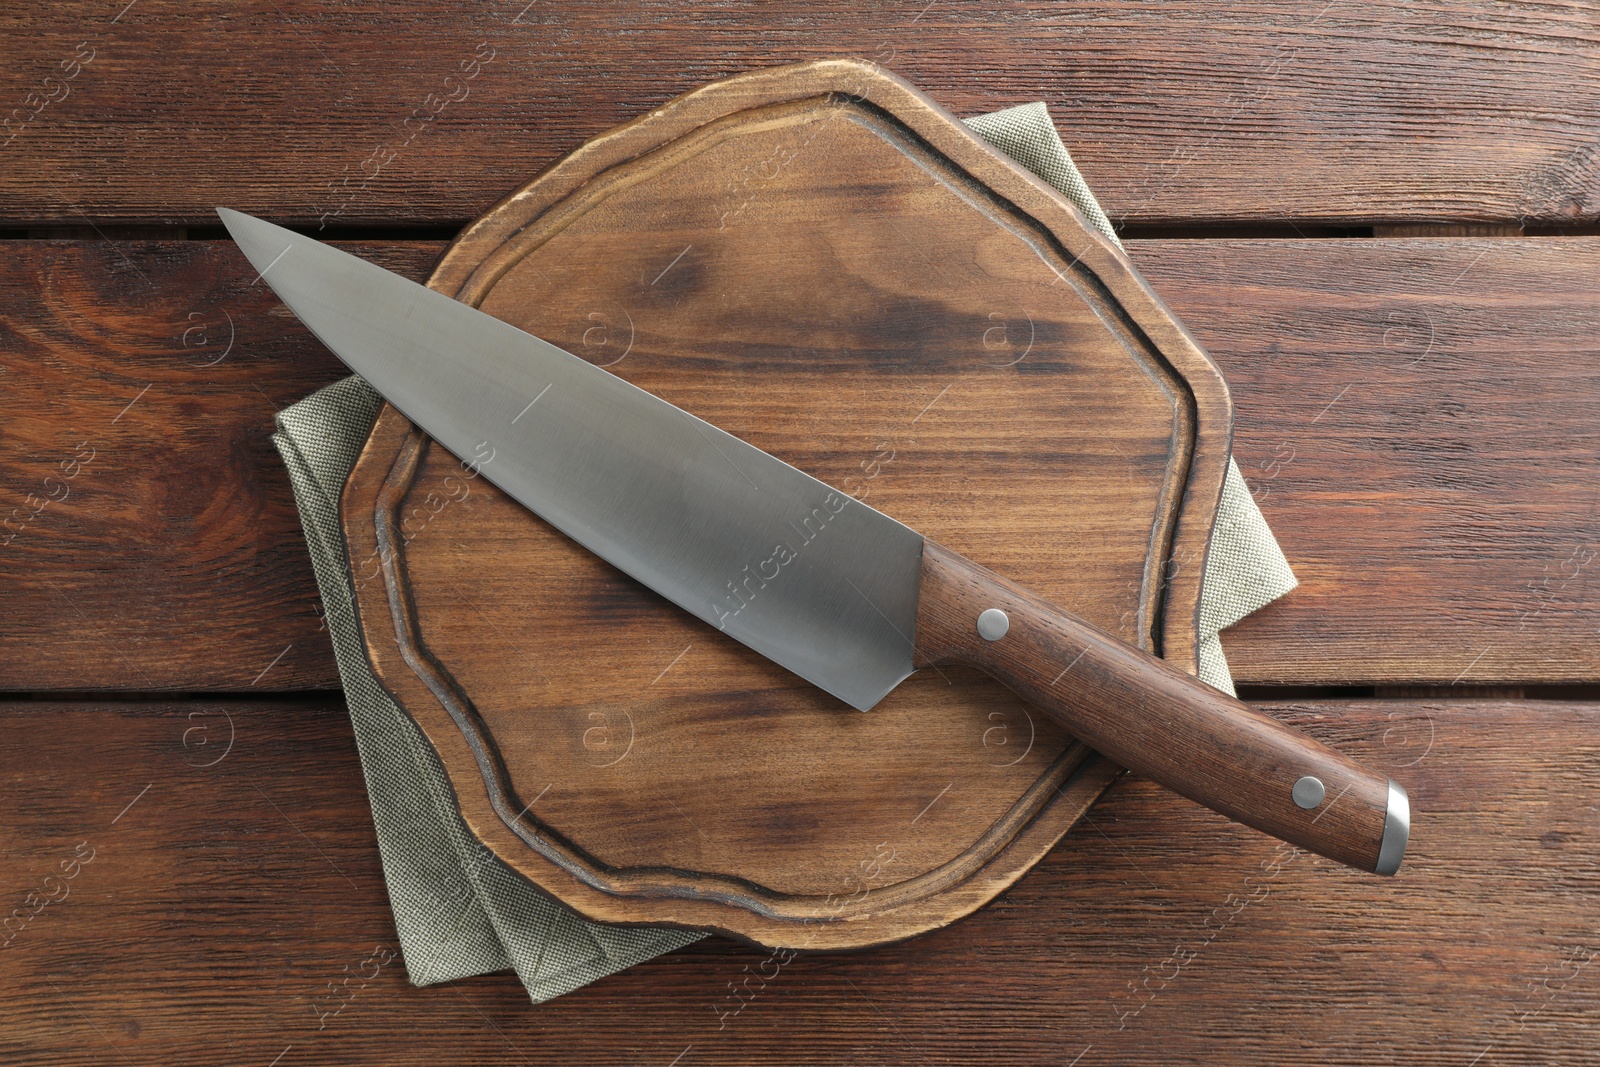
[{"x": 1158, "y": 721}]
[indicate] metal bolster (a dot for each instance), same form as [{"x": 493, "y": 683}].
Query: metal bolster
[{"x": 1396, "y": 830}]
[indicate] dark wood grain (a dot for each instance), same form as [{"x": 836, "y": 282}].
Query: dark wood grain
[
  {"x": 1150, "y": 716},
  {"x": 221, "y": 904},
  {"x": 148, "y": 539},
  {"x": 1416, "y": 418},
  {"x": 1435, "y": 525},
  {"x": 321, "y": 111},
  {"x": 946, "y": 338}
]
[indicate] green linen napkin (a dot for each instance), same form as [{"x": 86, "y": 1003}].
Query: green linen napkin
[{"x": 460, "y": 911}]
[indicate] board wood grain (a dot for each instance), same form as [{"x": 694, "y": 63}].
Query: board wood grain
[
  {"x": 219, "y": 908},
  {"x": 317, "y": 111},
  {"x": 881, "y": 299},
  {"x": 1422, "y": 458}
]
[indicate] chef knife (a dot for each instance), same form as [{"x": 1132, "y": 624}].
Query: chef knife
[{"x": 829, "y": 588}]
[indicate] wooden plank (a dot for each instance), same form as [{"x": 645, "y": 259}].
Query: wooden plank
[
  {"x": 148, "y": 539},
  {"x": 222, "y": 902},
  {"x": 1430, "y": 516},
  {"x": 1417, "y": 418},
  {"x": 319, "y": 111}
]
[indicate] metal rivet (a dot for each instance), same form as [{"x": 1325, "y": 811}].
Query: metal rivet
[
  {"x": 993, "y": 624},
  {"x": 1308, "y": 792}
]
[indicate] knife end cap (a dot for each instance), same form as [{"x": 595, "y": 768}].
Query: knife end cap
[{"x": 1396, "y": 830}]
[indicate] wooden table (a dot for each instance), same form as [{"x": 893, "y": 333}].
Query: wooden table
[{"x": 1380, "y": 218}]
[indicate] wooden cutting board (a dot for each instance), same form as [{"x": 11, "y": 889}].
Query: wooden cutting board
[{"x": 822, "y": 261}]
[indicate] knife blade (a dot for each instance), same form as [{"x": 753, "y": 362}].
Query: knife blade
[{"x": 833, "y": 590}]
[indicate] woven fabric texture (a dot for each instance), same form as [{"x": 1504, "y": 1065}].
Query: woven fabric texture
[{"x": 458, "y": 909}]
